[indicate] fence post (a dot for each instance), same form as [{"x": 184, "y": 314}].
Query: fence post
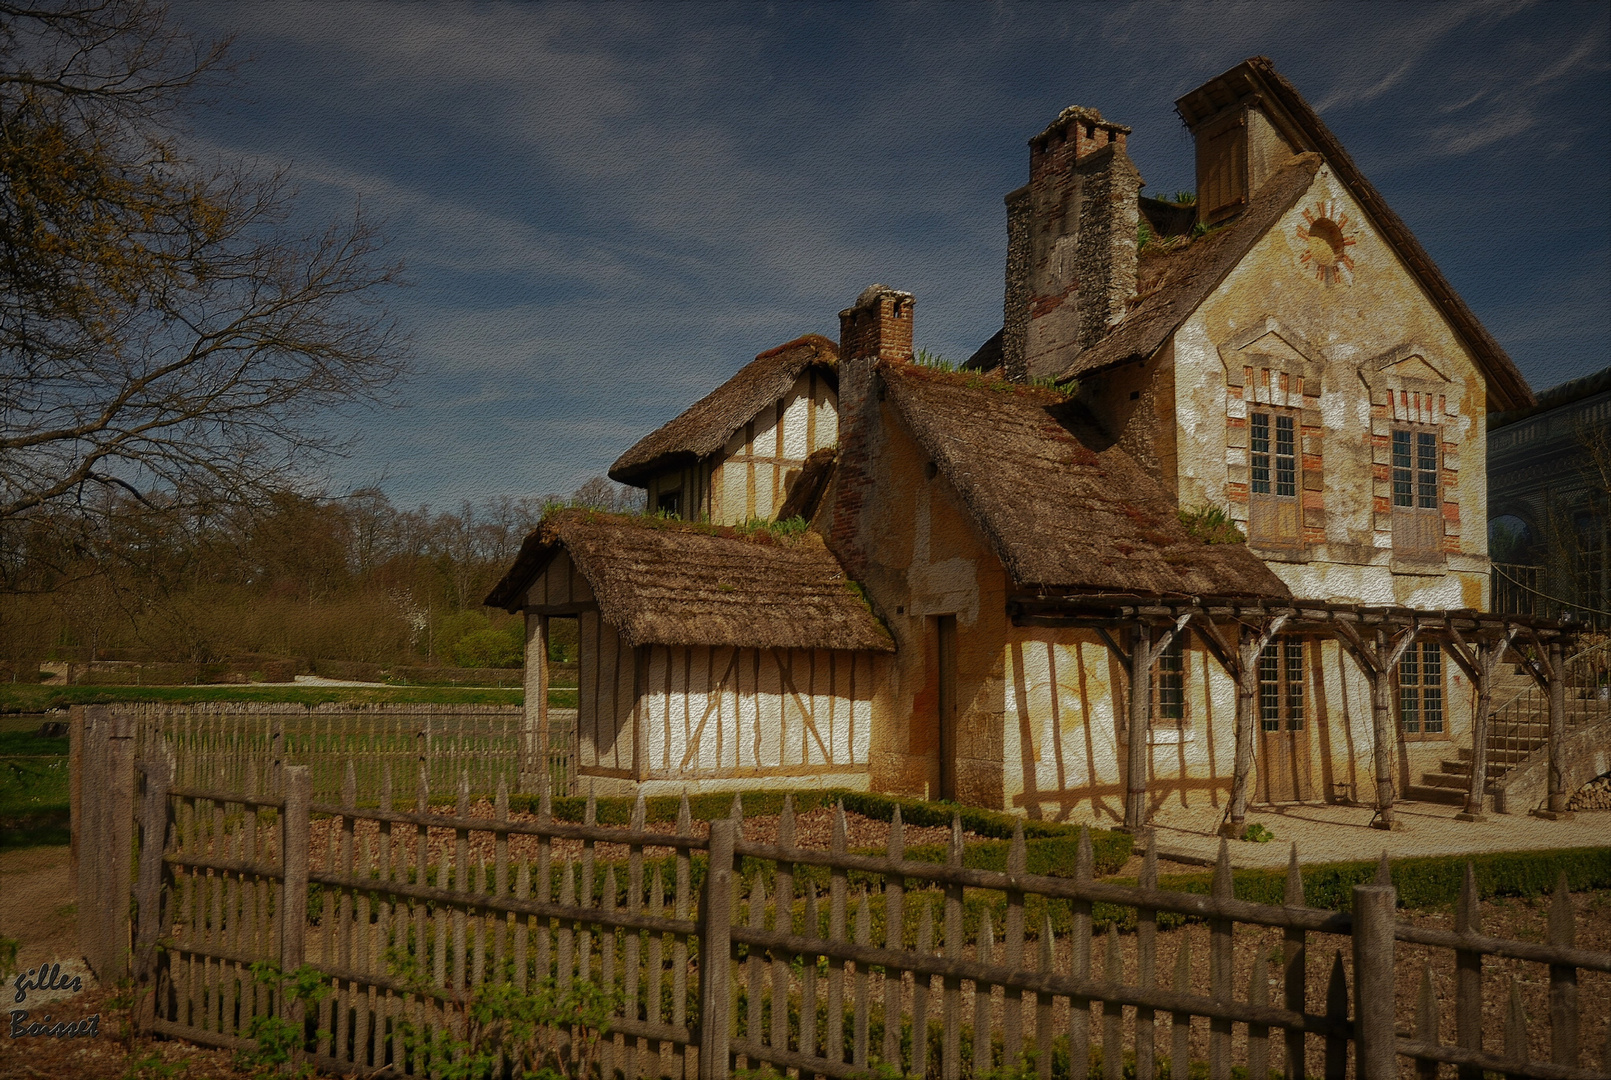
[
  {"x": 107, "y": 798},
  {"x": 88, "y": 791},
  {"x": 715, "y": 952},
  {"x": 75, "y": 796},
  {"x": 1375, "y": 1041},
  {"x": 276, "y": 753},
  {"x": 148, "y": 888},
  {"x": 294, "y": 853},
  {"x": 297, "y": 791}
]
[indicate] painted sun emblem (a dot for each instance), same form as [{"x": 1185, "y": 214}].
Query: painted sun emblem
[{"x": 1326, "y": 243}]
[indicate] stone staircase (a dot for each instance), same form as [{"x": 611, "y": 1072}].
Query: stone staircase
[{"x": 1518, "y": 728}]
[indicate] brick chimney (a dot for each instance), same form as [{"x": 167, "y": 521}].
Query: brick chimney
[
  {"x": 1071, "y": 243},
  {"x": 878, "y": 326}
]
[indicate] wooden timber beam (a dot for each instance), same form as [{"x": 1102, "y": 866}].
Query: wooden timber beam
[
  {"x": 1378, "y": 659},
  {"x": 1144, "y": 653},
  {"x": 1555, "y": 807},
  {"x": 1252, "y": 642},
  {"x": 1479, "y": 661}
]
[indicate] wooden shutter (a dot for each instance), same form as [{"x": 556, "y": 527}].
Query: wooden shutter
[{"x": 1222, "y": 166}]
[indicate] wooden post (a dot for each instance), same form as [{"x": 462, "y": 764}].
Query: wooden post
[
  {"x": 277, "y": 753},
  {"x": 534, "y": 723},
  {"x": 1378, "y": 660},
  {"x": 114, "y": 852},
  {"x": 1245, "y": 670},
  {"x": 294, "y": 857},
  {"x": 1477, "y": 788},
  {"x": 297, "y": 787},
  {"x": 1558, "y": 795},
  {"x": 148, "y": 890},
  {"x": 1247, "y": 689},
  {"x": 1382, "y": 736},
  {"x": 1375, "y": 1040},
  {"x": 1478, "y": 663},
  {"x": 715, "y": 953},
  {"x": 1135, "y": 799},
  {"x": 1468, "y": 975},
  {"x": 75, "y": 796}
]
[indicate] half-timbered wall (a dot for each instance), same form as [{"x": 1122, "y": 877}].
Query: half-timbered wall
[
  {"x": 761, "y": 457},
  {"x": 1066, "y": 729},
  {"x": 1066, "y": 721},
  {"x": 690, "y": 485},
  {"x": 744, "y": 716}
]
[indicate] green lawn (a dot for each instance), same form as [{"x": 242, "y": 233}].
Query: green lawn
[
  {"x": 23, "y": 698},
  {"x": 33, "y": 790}
]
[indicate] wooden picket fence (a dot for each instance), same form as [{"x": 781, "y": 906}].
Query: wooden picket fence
[
  {"x": 832, "y": 963},
  {"x": 217, "y": 746}
]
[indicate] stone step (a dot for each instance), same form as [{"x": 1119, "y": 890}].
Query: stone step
[
  {"x": 1454, "y": 781},
  {"x": 1463, "y": 768},
  {"x": 1423, "y": 793}
]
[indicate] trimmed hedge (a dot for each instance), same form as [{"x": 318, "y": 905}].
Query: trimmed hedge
[{"x": 1423, "y": 882}]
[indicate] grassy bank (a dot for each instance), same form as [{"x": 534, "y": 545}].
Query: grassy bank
[
  {"x": 25, "y": 698},
  {"x": 33, "y": 790}
]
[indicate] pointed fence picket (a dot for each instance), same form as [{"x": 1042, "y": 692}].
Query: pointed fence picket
[{"x": 817, "y": 962}]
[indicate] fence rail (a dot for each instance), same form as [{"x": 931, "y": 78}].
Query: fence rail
[
  {"x": 719, "y": 953},
  {"x": 218, "y": 746}
]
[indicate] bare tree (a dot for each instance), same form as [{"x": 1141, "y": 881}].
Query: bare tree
[
  {"x": 601, "y": 493},
  {"x": 162, "y": 328}
]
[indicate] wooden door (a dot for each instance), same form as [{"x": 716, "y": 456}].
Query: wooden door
[{"x": 1283, "y": 723}]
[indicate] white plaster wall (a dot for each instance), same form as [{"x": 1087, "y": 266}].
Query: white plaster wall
[{"x": 751, "y": 476}]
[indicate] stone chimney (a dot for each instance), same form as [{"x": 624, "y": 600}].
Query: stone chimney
[
  {"x": 1071, "y": 244},
  {"x": 878, "y": 326}
]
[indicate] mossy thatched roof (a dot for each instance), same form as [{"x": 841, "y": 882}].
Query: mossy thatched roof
[
  {"x": 704, "y": 427},
  {"x": 666, "y": 582},
  {"x": 1061, "y": 506}
]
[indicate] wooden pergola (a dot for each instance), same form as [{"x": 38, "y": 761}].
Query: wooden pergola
[{"x": 1235, "y": 630}]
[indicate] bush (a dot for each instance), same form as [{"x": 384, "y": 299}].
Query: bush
[{"x": 490, "y": 648}]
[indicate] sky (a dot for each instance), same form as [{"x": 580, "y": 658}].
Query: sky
[{"x": 605, "y": 210}]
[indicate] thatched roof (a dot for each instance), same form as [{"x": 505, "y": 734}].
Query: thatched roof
[
  {"x": 1060, "y": 506},
  {"x": 1188, "y": 276},
  {"x": 705, "y": 426},
  {"x": 667, "y": 582},
  {"x": 1257, "y": 78}
]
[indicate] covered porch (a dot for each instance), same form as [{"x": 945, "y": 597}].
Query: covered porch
[{"x": 1235, "y": 632}]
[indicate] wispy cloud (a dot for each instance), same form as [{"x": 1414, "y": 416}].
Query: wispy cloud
[{"x": 607, "y": 208}]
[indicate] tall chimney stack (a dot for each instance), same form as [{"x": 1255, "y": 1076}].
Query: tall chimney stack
[
  {"x": 1071, "y": 244},
  {"x": 878, "y": 326}
]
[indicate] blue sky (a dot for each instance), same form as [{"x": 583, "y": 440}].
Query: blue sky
[{"x": 606, "y": 209}]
